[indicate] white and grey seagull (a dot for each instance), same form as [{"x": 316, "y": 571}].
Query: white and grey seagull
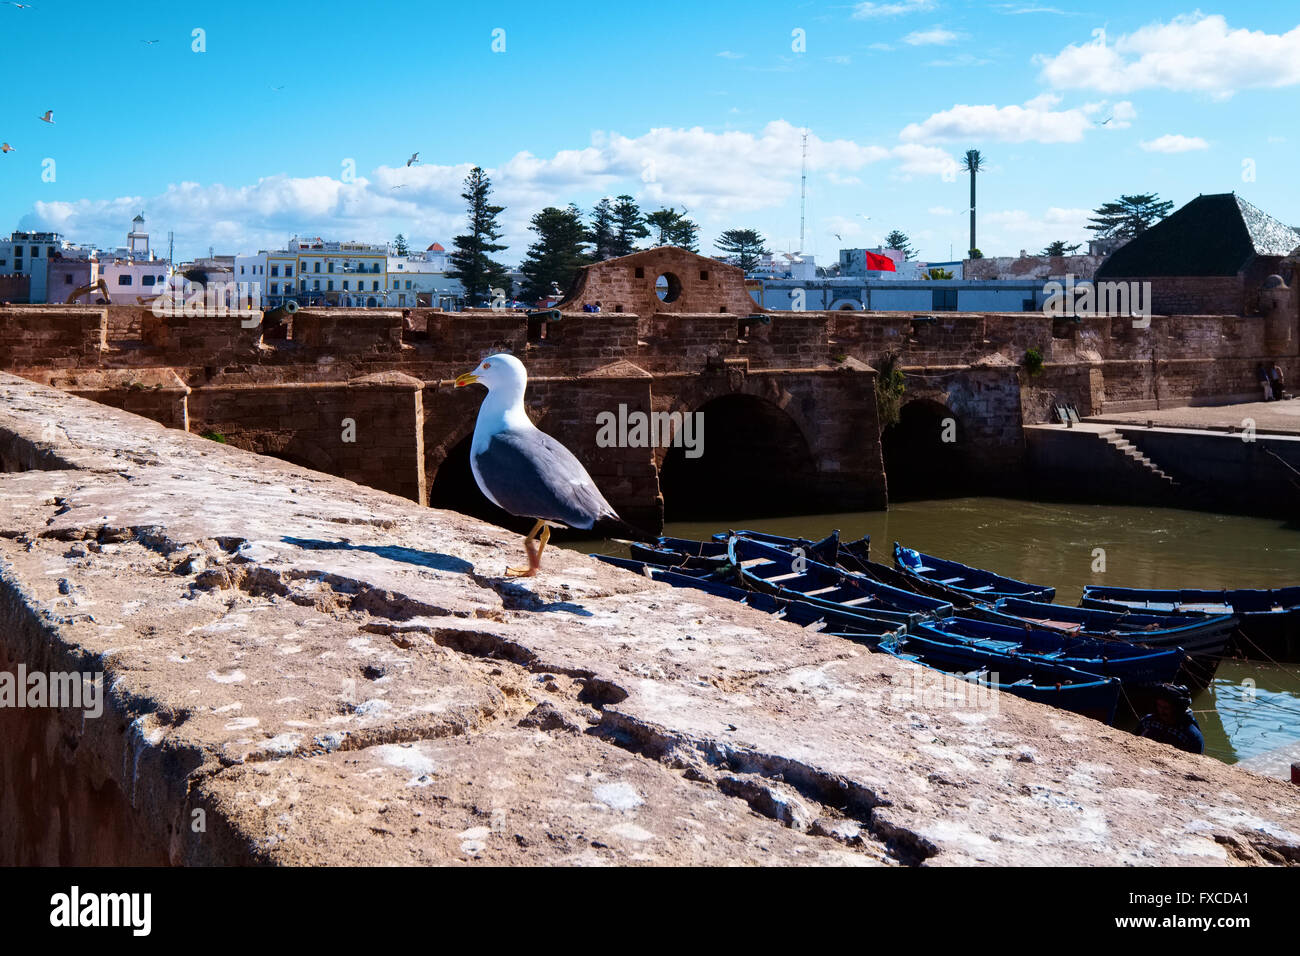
[{"x": 523, "y": 470}]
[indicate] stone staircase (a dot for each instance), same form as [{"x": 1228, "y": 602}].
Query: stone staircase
[{"x": 1138, "y": 460}]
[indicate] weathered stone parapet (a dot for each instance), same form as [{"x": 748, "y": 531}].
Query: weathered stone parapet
[
  {"x": 51, "y": 336},
  {"x": 301, "y": 670}
]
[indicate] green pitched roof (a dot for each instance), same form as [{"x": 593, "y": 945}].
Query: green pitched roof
[{"x": 1215, "y": 235}]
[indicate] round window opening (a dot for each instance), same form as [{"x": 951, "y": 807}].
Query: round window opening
[{"x": 668, "y": 287}]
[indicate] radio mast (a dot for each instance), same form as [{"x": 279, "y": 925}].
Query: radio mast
[{"x": 803, "y": 189}]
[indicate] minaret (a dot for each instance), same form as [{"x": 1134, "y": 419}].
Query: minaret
[{"x": 137, "y": 240}]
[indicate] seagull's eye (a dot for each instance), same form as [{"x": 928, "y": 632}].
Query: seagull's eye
[{"x": 487, "y": 364}]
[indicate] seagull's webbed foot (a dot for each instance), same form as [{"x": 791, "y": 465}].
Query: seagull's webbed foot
[{"x": 534, "y": 550}]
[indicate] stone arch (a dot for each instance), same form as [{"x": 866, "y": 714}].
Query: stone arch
[
  {"x": 452, "y": 486},
  {"x": 755, "y": 459},
  {"x": 926, "y": 452},
  {"x": 846, "y": 305}
]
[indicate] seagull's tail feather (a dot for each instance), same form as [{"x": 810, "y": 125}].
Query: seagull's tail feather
[{"x": 615, "y": 527}]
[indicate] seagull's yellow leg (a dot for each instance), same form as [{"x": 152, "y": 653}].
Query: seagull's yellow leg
[
  {"x": 541, "y": 543},
  {"x": 534, "y": 557}
]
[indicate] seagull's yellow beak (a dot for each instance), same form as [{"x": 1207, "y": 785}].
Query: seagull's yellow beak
[{"x": 469, "y": 378}]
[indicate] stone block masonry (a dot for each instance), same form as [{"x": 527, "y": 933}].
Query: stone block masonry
[
  {"x": 301, "y": 670},
  {"x": 51, "y": 337}
]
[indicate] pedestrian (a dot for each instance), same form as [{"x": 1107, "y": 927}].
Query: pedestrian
[
  {"x": 1172, "y": 722},
  {"x": 1265, "y": 380},
  {"x": 1278, "y": 382}
]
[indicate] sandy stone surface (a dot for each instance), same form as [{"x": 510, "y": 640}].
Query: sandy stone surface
[
  {"x": 326, "y": 674},
  {"x": 1269, "y": 417}
]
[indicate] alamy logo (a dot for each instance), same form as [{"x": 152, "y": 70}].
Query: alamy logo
[
  {"x": 57, "y": 689},
  {"x": 185, "y": 297},
  {"x": 651, "y": 430},
  {"x": 1099, "y": 300},
  {"x": 72, "y": 909}
]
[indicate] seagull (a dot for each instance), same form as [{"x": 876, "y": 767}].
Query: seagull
[
  {"x": 1106, "y": 121},
  {"x": 521, "y": 468},
  {"x": 402, "y": 186},
  {"x": 415, "y": 158},
  {"x": 149, "y": 42},
  {"x": 48, "y": 117},
  {"x": 20, "y": 6},
  {"x": 6, "y": 148},
  {"x": 837, "y": 236}
]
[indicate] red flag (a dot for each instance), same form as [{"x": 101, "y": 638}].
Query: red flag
[{"x": 882, "y": 263}]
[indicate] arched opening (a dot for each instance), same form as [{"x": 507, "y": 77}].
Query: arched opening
[
  {"x": 925, "y": 453},
  {"x": 846, "y": 305},
  {"x": 754, "y": 462},
  {"x": 668, "y": 287},
  {"x": 455, "y": 489}
]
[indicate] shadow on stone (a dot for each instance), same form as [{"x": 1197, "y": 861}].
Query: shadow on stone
[{"x": 425, "y": 559}]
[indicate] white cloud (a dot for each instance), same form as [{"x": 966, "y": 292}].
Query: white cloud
[
  {"x": 1036, "y": 121},
  {"x": 961, "y": 59},
  {"x": 935, "y": 36},
  {"x": 716, "y": 175},
  {"x": 1193, "y": 52},
  {"x": 940, "y": 211},
  {"x": 867, "y": 11},
  {"x": 1174, "y": 143},
  {"x": 1006, "y": 232},
  {"x": 727, "y": 54}
]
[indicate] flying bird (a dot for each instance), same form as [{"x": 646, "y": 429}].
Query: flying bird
[
  {"x": 6, "y": 148},
  {"x": 522, "y": 469},
  {"x": 415, "y": 158},
  {"x": 837, "y": 236},
  {"x": 20, "y": 6},
  {"x": 48, "y": 117},
  {"x": 402, "y": 186},
  {"x": 149, "y": 42}
]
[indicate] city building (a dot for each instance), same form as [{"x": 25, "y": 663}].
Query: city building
[
  {"x": 854, "y": 293},
  {"x": 422, "y": 280},
  {"x": 316, "y": 272},
  {"x": 28, "y": 254}
]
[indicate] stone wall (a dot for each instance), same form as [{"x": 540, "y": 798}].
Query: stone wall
[
  {"x": 695, "y": 284},
  {"x": 358, "y": 332},
  {"x": 1031, "y": 267},
  {"x": 205, "y": 339},
  {"x": 51, "y": 336},
  {"x": 369, "y": 430}
]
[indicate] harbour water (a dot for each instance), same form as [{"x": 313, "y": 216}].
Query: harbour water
[{"x": 1251, "y": 707}]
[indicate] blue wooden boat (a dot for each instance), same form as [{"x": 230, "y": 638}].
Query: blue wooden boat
[
  {"x": 831, "y": 621},
  {"x": 1130, "y": 663},
  {"x": 764, "y": 567},
  {"x": 1031, "y": 678},
  {"x": 1268, "y": 620},
  {"x": 1205, "y": 638},
  {"x": 826, "y": 550},
  {"x": 961, "y": 584}
]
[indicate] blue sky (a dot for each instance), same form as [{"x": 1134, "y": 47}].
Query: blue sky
[{"x": 686, "y": 104}]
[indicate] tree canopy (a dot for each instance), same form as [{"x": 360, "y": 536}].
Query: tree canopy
[
  {"x": 744, "y": 245},
  {"x": 1059, "y": 248},
  {"x": 674, "y": 229},
  {"x": 557, "y": 254},
  {"x": 1129, "y": 215},
  {"x": 470, "y": 259},
  {"x": 629, "y": 225},
  {"x": 898, "y": 240}
]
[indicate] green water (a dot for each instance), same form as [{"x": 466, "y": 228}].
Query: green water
[{"x": 1251, "y": 707}]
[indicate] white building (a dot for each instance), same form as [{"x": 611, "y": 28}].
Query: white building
[
  {"x": 422, "y": 280},
  {"x": 316, "y": 272},
  {"x": 29, "y": 254}
]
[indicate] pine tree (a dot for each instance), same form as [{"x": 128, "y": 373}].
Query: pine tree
[
  {"x": 471, "y": 260},
  {"x": 898, "y": 240},
  {"x": 1129, "y": 216},
  {"x": 399, "y": 246},
  {"x": 674, "y": 229},
  {"x": 601, "y": 234},
  {"x": 556, "y": 255},
  {"x": 629, "y": 225},
  {"x": 1059, "y": 248},
  {"x": 745, "y": 245}
]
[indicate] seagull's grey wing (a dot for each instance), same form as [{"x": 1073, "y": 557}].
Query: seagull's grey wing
[{"x": 532, "y": 475}]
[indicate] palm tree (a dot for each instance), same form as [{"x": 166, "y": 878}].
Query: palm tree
[{"x": 972, "y": 163}]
